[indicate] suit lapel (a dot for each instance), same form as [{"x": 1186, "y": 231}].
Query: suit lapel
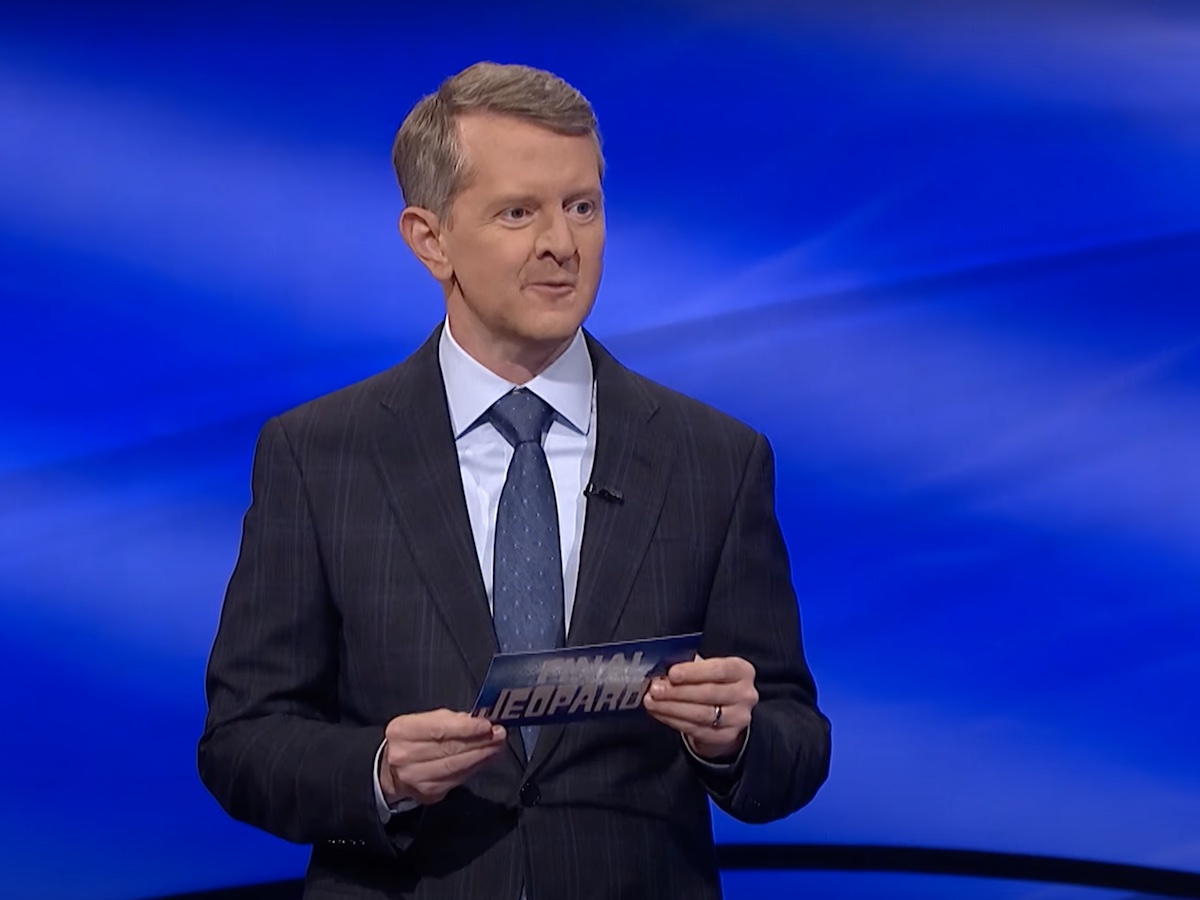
[
  {"x": 418, "y": 464},
  {"x": 633, "y": 457}
]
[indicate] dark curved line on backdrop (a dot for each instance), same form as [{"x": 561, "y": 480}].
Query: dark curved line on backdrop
[
  {"x": 878, "y": 858},
  {"x": 973, "y": 863}
]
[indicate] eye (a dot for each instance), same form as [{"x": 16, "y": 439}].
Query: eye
[
  {"x": 515, "y": 214},
  {"x": 583, "y": 208}
]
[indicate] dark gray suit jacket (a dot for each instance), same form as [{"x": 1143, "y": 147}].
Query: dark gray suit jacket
[{"x": 357, "y": 597}]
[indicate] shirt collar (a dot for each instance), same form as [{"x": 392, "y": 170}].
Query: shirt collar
[{"x": 471, "y": 388}]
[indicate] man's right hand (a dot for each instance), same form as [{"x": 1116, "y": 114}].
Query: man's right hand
[{"x": 427, "y": 754}]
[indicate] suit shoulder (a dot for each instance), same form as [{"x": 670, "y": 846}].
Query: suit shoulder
[
  {"x": 697, "y": 417},
  {"x": 340, "y": 407}
]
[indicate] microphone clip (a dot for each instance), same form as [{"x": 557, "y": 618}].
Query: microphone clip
[{"x": 607, "y": 494}]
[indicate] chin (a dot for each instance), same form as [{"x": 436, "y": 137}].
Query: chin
[
  {"x": 552, "y": 325},
  {"x": 546, "y": 336}
]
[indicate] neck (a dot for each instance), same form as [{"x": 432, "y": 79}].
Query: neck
[{"x": 513, "y": 360}]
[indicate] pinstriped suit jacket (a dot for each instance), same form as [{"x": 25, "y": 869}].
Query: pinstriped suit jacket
[{"x": 357, "y": 597}]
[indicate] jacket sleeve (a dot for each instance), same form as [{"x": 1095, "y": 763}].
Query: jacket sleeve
[
  {"x": 273, "y": 752},
  {"x": 752, "y": 613}
]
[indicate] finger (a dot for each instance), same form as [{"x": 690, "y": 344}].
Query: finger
[
  {"x": 712, "y": 694},
  {"x": 702, "y": 736},
  {"x": 442, "y": 725},
  {"x": 734, "y": 716},
  {"x": 691, "y": 729},
  {"x": 724, "y": 670},
  {"x": 683, "y": 726},
  {"x": 434, "y": 791},
  {"x": 475, "y": 767},
  {"x": 402, "y": 751},
  {"x": 693, "y": 713},
  {"x": 451, "y": 771},
  {"x": 429, "y": 782},
  {"x": 439, "y": 725}
]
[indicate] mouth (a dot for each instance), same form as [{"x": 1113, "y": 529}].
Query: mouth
[{"x": 553, "y": 287}]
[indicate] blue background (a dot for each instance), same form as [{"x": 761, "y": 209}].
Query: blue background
[{"x": 944, "y": 255}]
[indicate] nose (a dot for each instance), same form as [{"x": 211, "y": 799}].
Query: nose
[{"x": 556, "y": 239}]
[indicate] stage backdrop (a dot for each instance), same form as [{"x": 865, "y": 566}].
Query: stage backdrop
[{"x": 946, "y": 257}]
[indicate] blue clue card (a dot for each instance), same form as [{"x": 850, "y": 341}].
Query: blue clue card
[{"x": 547, "y": 687}]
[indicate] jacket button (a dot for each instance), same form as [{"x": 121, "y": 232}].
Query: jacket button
[{"x": 531, "y": 794}]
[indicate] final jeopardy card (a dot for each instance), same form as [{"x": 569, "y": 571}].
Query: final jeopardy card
[{"x": 548, "y": 687}]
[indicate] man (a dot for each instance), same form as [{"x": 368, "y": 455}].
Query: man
[{"x": 509, "y": 486}]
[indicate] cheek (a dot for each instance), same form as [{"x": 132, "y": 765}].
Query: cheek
[
  {"x": 491, "y": 261},
  {"x": 591, "y": 254}
]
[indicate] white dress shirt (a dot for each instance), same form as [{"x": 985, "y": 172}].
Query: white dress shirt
[{"x": 566, "y": 386}]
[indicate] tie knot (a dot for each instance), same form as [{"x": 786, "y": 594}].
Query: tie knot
[{"x": 521, "y": 416}]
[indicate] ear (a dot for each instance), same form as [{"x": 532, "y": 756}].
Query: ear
[{"x": 422, "y": 231}]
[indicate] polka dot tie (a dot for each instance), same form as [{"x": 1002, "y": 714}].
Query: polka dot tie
[{"x": 527, "y": 585}]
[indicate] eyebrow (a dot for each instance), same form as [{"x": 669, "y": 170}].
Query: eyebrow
[
  {"x": 515, "y": 200},
  {"x": 508, "y": 200}
]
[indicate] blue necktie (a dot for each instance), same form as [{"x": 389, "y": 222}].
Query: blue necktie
[{"x": 527, "y": 583}]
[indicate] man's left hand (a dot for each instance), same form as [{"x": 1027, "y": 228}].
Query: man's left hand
[{"x": 708, "y": 701}]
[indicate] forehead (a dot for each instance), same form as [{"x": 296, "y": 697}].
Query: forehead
[{"x": 504, "y": 154}]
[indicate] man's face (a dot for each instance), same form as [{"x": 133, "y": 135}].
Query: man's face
[{"x": 525, "y": 236}]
